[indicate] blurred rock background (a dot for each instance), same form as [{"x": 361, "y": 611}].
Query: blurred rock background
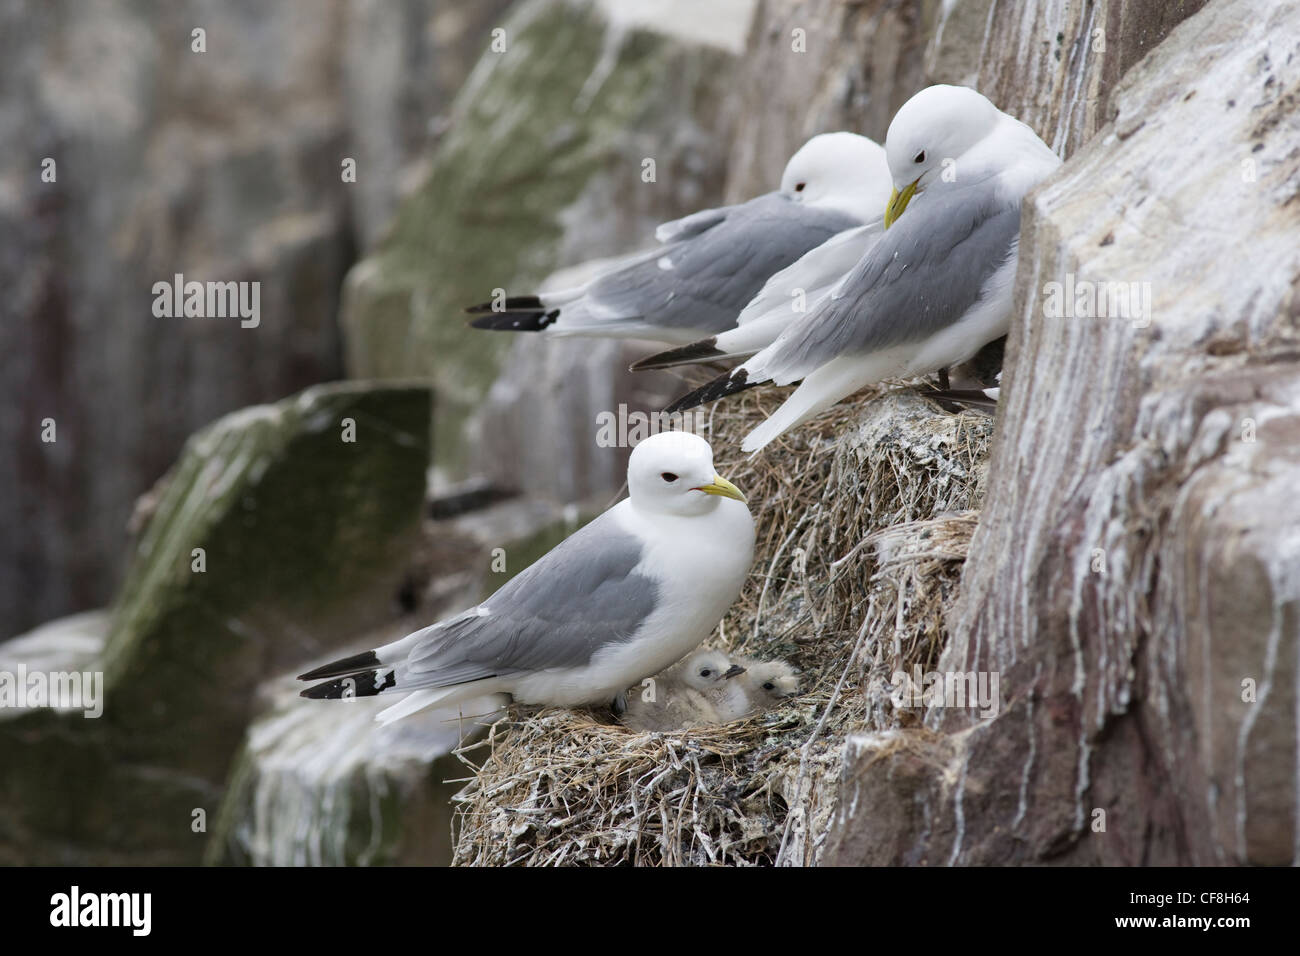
[
  {"x": 480, "y": 168},
  {"x": 220, "y": 165}
]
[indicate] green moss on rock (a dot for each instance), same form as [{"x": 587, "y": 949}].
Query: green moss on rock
[{"x": 533, "y": 127}]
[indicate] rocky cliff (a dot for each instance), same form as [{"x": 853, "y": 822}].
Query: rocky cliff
[
  {"x": 1134, "y": 575},
  {"x": 221, "y": 164}
]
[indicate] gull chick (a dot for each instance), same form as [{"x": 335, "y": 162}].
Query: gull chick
[
  {"x": 767, "y": 683},
  {"x": 700, "y": 690},
  {"x": 935, "y": 288},
  {"x": 617, "y": 601},
  {"x": 715, "y": 261}
]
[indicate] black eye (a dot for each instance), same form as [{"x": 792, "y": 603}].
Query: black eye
[
  {"x": 798, "y": 187},
  {"x": 706, "y": 672},
  {"x": 769, "y": 686},
  {"x": 920, "y": 157},
  {"x": 669, "y": 477}
]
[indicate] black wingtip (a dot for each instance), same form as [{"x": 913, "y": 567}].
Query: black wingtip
[
  {"x": 516, "y": 321},
  {"x": 700, "y": 351},
  {"x": 363, "y": 684},
  {"x": 348, "y": 665},
  {"x": 728, "y": 383},
  {"x": 514, "y": 303}
]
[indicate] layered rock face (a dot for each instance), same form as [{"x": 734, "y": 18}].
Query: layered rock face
[{"x": 1134, "y": 575}]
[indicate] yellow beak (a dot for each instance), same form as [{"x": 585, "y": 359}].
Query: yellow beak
[
  {"x": 721, "y": 486},
  {"x": 898, "y": 202}
]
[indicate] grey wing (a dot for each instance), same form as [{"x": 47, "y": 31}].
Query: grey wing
[
  {"x": 915, "y": 281},
  {"x": 704, "y": 281},
  {"x": 582, "y": 595},
  {"x": 691, "y": 225},
  {"x": 817, "y": 271}
]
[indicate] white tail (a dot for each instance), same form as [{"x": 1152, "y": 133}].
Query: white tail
[{"x": 412, "y": 703}]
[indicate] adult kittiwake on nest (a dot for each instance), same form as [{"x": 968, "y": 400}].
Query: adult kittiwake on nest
[
  {"x": 714, "y": 262},
  {"x": 935, "y": 288},
  {"x": 617, "y": 601}
]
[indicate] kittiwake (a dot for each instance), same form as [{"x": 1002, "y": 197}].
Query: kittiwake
[
  {"x": 713, "y": 262},
  {"x": 619, "y": 600},
  {"x": 938, "y": 284}
]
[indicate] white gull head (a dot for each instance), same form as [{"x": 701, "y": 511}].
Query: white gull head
[
  {"x": 951, "y": 136},
  {"x": 939, "y": 123},
  {"x": 672, "y": 473},
  {"x": 841, "y": 171}
]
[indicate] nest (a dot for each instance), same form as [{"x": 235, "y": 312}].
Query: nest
[{"x": 864, "y": 518}]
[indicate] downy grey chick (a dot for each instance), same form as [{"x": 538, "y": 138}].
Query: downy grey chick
[
  {"x": 767, "y": 683},
  {"x": 699, "y": 690}
]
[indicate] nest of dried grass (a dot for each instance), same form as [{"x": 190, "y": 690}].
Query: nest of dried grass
[{"x": 864, "y": 517}]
